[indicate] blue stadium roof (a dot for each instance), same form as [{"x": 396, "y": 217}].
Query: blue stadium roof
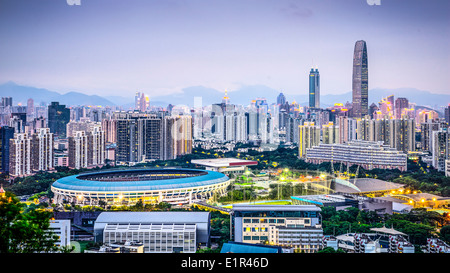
[{"x": 77, "y": 183}]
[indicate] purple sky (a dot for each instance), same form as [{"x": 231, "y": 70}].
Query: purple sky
[{"x": 118, "y": 47}]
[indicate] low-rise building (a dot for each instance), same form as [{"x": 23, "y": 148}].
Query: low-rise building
[
  {"x": 160, "y": 232},
  {"x": 297, "y": 227}
]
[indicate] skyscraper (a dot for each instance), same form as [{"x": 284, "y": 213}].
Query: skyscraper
[
  {"x": 58, "y": 117},
  {"x": 360, "y": 81},
  {"x": 6, "y": 133},
  {"x": 314, "y": 88},
  {"x": 281, "y": 99}
]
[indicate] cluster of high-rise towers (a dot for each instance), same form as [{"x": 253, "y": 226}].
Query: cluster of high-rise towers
[{"x": 360, "y": 83}]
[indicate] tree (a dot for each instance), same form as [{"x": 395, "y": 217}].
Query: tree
[
  {"x": 445, "y": 233},
  {"x": 330, "y": 250},
  {"x": 25, "y": 231}
]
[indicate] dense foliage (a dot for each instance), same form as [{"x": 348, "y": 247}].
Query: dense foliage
[{"x": 25, "y": 229}]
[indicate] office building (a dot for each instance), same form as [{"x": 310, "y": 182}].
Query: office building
[
  {"x": 58, "y": 117},
  {"x": 6, "y": 133},
  {"x": 160, "y": 232},
  {"x": 314, "y": 88},
  {"x": 297, "y": 227},
  {"x": 360, "y": 81}
]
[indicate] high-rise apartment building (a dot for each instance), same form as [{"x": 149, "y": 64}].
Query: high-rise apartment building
[
  {"x": 98, "y": 145},
  {"x": 426, "y": 133},
  {"x": 360, "y": 81},
  {"x": 330, "y": 133},
  {"x": 400, "y": 105},
  {"x": 309, "y": 136},
  {"x": 20, "y": 155},
  {"x": 440, "y": 148},
  {"x": 403, "y": 134},
  {"x": 109, "y": 126},
  {"x": 79, "y": 150},
  {"x": 314, "y": 88},
  {"x": 31, "y": 152},
  {"x": 42, "y": 150},
  {"x": 7, "y": 101},
  {"x": 177, "y": 136},
  {"x": 58, "y": 117}
]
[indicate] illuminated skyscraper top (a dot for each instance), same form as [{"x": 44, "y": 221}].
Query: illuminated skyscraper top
[
  {"x": 360, "y": 81},
  {"x": 314, "y": 88}
]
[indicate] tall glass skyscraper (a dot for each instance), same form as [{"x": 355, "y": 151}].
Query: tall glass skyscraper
[
  {"x": 314, "y": 88},
  {"x": 360, "y": 81}
]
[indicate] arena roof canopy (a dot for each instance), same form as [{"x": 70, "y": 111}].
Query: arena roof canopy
[{"x": 140, "y": 180}]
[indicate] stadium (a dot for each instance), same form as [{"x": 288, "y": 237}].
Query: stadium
[{"x": 127, "y": 187}]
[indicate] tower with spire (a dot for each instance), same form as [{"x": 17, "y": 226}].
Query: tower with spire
[{"x": 226, "y": 99}]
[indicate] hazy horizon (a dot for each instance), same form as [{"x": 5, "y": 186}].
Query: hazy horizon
[{"x": 159, "y": 47}]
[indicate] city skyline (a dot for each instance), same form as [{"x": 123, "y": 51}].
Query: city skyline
[{"x": 156, "y": 47}]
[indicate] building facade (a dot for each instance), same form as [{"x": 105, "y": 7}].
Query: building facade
[
  {"x": 160, "y": 232},
  {"x": 58, "y": 117},
  {"x": 297, "y": 227},
  {"x": 314, "y": 88},
  {"x": 360, "y": 81},
  {"x": 366, "y": 154}
]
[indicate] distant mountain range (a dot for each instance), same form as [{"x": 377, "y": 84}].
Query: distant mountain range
[
  {"x": 243, "y": 96},
  {"x": 21, "y": 94}
]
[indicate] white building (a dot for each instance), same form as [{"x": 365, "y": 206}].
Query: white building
[
  {"x": 224, "y": 165},
  {"x": 62, "y": 229},
  {"x": 160, "y": 232},
  {"x": 297, "y": 227}
]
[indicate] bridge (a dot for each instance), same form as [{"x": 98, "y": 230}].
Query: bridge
[{"x": 204, "y": 205}]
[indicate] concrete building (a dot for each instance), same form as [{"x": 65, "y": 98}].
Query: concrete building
[
  {"x": 342, "y": 201},
  {"x": 62, "y": 229},
  {"x": 366, "y": 154},
  {"x": 20, "y": 155},
  {"x": 309, "y": 136},
  {"x": 297, "y": 227},
  {"x": 160, "y": 232},
  {"x": 225, "y": 165}
]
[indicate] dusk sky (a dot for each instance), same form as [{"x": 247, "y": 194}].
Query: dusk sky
[{"x": 118, "y": 47}]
